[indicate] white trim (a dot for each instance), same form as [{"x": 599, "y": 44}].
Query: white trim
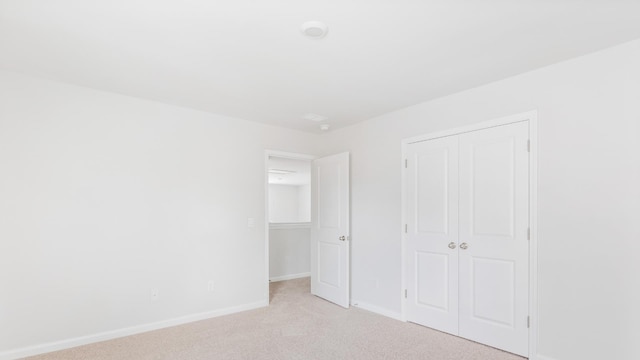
[
  {"x": 286, "y": 226},
  {"x": 290, "y": 155},
  {"x": 532, "y": 118},
  {"x": 114, "y": 334},
  {"x": 540, "y": 357},
  {"x": 403, "y": 234},
  {"x": 378, "y": 310},
  {"x": 289, "y": 277},
  {"x": 282, "y": 154},
  {"x": 267, "y": 154},
  {"x": 473, "y": 127},
  {"x": 533, "y": 244}
]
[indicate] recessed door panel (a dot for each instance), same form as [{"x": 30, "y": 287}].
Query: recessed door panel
[
  {"x": 431, "y": 188},
  {"x": 492, "y": 186},
  {"x": 328, "y": 180},
  {"x": 493, "y": 291},
  {"x": 329, "y": 264},
  {"x": 433, "y": 288}
]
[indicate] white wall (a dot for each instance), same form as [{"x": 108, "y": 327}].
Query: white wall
[
  {"x": 289, "y": 252},
  {"x": 304, "y": 203},
  {"x": 283, "y": 203},
  {"x": 289, "y": 203},
  {"x": 289, "y": 255},
  {"x": 103, "y": 197},
  {"x": 589, "y": 176}
]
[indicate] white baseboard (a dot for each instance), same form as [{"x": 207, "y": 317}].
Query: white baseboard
[
  {"x": 376, "y": 309},
  {"x": 109, "y": 335},
  {"x": 289, "y": 277},
  {"x": 541, "y": 357}
]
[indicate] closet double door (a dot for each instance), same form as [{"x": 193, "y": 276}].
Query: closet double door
[{"x": 467, "y": 235}]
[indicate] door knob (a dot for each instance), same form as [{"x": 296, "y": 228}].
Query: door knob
[
  {"x": 342, "y": 238},
  {"x": 452, "y": 245},
  {"x": 464, "y": 246}
]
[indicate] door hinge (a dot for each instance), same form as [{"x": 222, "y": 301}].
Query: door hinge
[
  {"x": 528, "y": 322},
  {"x": 528, "y": 233},
  {"x": 406, "y": 228},
  {"x": 405, "y": 293},
  {"x": 528, "y": 145},
  {"x": 406, "y": 163}
]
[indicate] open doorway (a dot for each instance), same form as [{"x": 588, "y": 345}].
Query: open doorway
[
  {"x": 288, "y": 215},
  {"x": 307, "y": 224}
]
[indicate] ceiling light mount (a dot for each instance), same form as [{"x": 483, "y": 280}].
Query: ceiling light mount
[
  {"x": 314, "y": 29},
  {"x": 314, "y": 117},
  {"x": 281, "y": 171}
]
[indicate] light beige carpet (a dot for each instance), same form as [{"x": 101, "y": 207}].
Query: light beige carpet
[{"x": 296, "y": 325}]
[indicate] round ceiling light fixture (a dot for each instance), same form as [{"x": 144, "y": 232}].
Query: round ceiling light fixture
[{"x": 314, "y": 29}]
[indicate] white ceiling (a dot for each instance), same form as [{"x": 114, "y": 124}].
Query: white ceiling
[{"x": 248, "y": 59}]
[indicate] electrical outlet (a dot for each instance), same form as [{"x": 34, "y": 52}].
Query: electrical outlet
[
  {"x": 251, "y": 223},
  {"x": 155, "y": 294},
  {"x": 210, "y": 286}
]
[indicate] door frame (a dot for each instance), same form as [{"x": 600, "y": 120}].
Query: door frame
[
  {"x": 285, "y": 155},
  {"x": 532, "y": 118}
]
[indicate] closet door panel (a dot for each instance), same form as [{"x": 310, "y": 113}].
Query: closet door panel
[
  {"x": 494, "y": 248},
  {"x": 432, "y": 233}
]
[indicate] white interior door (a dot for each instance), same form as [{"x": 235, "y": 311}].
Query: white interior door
[
  {"x": 432, "y": 233},
  {"x": 330, "y": 230},
  {"x": 494, "y": 246}
]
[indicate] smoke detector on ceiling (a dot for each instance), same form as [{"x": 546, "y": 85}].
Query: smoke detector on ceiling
[
  {"x": 324, "y": 127},
  {"x": 314, "y": 29}
]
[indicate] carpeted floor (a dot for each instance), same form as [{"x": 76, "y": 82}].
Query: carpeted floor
[{"x": 297, "y": 326}]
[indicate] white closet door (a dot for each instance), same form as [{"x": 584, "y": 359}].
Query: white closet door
[
  {"x": 494, "y": 248},
  {"x": 432, "y": 234}
]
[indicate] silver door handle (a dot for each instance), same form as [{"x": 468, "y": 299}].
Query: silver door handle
[
  {"x": 452, "y": 245},
  {"x": 464, "y": 246},
  {"x": 342, "y": 238}
]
